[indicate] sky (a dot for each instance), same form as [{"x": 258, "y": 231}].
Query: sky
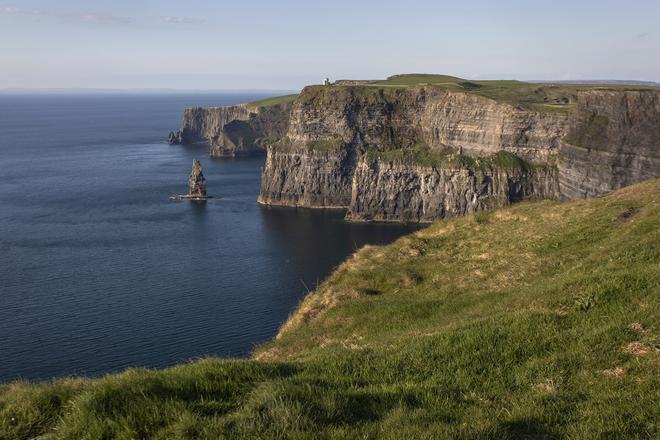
[{"x": 259, "y": 44}]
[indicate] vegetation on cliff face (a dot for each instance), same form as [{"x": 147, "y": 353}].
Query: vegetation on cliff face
[
  {"x": 545, "y": 97},
  {"x": 332, "y": 143},
  {"x": 536, "y": 321},
  {"x": 592, "y": 132}
]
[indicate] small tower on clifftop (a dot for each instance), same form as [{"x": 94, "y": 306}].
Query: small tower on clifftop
[{"x": 326, "y": 82}]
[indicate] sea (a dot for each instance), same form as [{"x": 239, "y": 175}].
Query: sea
[{"x": 100, "y": 271}]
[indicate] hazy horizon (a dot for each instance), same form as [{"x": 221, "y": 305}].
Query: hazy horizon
[
  {"x": 221, "y": 46},
  {"x": 146, "y": 90}
]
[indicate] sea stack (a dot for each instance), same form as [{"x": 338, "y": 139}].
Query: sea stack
[{"x": 196, "y": 181}]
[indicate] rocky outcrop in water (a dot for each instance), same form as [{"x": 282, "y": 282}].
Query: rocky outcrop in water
[
  {"x": 175, "y": 137},
  {"x": 196, "y": 181}
]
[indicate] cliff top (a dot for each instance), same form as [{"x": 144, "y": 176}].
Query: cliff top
[
  {"x": 548, "y": 97},
  {"x": 276, "y": 100},
  {"x": 495, "y": 325}
]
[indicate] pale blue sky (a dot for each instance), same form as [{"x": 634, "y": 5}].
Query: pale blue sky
[{"x": 258, "y": 44}]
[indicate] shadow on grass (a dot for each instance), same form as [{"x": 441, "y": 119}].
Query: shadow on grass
[{"x": 524, "y": 429}]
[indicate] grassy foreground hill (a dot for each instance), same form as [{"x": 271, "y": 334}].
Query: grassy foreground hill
[{"x": 535, "y": 321}]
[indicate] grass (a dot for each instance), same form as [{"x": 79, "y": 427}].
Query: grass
[
  {"x": 535, "y": 321},
  {"x": 541, "y": 97},
  {"x": 418, "y": 78},
  {"x": 276, "y": 100}
]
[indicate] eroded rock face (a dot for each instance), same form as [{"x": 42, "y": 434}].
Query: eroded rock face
[
  {"x": 314, "y": 179},
  {"x": 196, "y": 181},
  {"x": 322, "y": 161},
  {"x": 175, "y": 137},
  {"x": 230, "y": 131},
  {"x": 395, "y": 192},
  {"x": 386, "y": 119},
  {"x": 613, "y": 141},
  {"x": 320, "y": 148}
]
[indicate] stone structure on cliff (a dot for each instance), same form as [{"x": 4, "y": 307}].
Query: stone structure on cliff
[
  {"x": 421, "y": 153},
  {"x": 196, "y": 181}
]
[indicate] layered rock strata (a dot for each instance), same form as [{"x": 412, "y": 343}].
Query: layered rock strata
[
  {"x": 613, "y": 141},
  {"x": 381, "y": 152},
  {"x": 396, "y": 192},
  {"x": 236, "y": 130},
  {"x": 324, "y": 159}
]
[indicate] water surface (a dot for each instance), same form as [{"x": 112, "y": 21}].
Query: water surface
[{"x": 99, "y": 271}]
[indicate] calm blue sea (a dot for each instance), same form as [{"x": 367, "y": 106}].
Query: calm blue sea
[{"x": 99, "y": 271}]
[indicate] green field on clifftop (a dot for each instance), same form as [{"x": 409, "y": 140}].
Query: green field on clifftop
[
  {"x": 543, "y": 97},
  {"x": 276, "y": 100},
  {"x": 535, "y": 321}
]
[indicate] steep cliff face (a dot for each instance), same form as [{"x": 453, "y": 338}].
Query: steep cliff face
[
  {"x": 380, "y": 152},
  {"x": 383, "y": 191},
  {"x": 236, "y": 130},
  {"x": 397, "y": 118},
  {"x": 322, "y": 160},
  {"x": 314, "y": 179},
  {"x": 613, "y": 141}
]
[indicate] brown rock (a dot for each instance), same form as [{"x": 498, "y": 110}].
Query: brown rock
[{"x": 197, "y": 181}]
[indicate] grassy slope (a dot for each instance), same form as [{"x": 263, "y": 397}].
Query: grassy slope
[
  {"x": 536, "y": 96},
  {"x": 537, "y": 320},
  {"x": 543, "y": 97},
  {"x": 269, "y": 102}
]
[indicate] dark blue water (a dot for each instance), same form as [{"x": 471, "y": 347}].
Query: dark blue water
[{"x": 99, "y": 271}]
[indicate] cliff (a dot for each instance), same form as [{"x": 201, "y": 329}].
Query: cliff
[
  {"x": 236, "y": 130},
  {"x": 420, "y": 147},
  {"x": 307, "y": 178},
  {"x": 382, "y": 152},
  {"x": 390, "y": 191},
  {"x": 343, "y": 143},
  {"x": 613, "y": 141}
]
